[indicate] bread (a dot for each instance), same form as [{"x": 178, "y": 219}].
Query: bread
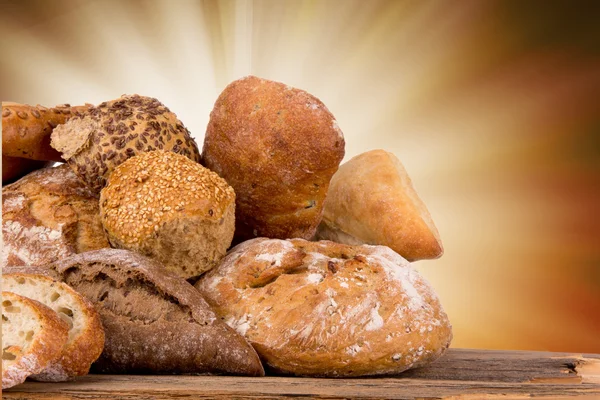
[
  {"x": 328, "y": 309},
  {"x": 33, "y": 337},
  {"x": 154, "y": 321},
  {"x": 86, "y": 335},
  {"x": 371, "y": 200},
  {"x": 47, "y": 215},
  {"x": 14, "y": 168},
  {"x": 94, "y": 144},
  {"x": 278, "y": 148},
  {"x": 167, "y": 207},
  {"x": 26, "y": 129}
]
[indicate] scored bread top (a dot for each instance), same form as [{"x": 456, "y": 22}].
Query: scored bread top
[
  {"x": 86, "y": 335},
  {"x": 116, "y": 130},
  {"x": 47, "y": 215},
  {"x": 154, "y": 188},
  {"x": 33, "y": 336},
  {"x": 328, "y": 309}
]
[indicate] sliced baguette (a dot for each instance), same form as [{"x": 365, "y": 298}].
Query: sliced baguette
[
  {"x": 86, "y": 335},
  {"x": 33, "y": 337}
]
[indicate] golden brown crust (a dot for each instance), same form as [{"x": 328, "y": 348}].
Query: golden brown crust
[
  {"x": 46, "y": 346},
  {"x": 14, "y": 168},
  {"x": 278, "y": 147},
  {"x": 85, "y": 346},
  {"x": 328, "y": 309},
  {"x": 371, "y": 200},
  {"x": 167, "y": 207},
  {"x": 48, "y": 215},
  {"x": 114, "y": 131},
  {"x": 26, "y": 129}
]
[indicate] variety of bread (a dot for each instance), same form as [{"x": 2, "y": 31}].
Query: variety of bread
[
  {"x": 328, "y": 309},
  {"x": 372, "y": 200},
  {"x": 278, "y": 147},
  {"x": 93, "y": 144},
  {"x": 167, "y": 207},
  {"x": 133, "y": 179},
  {"x": 47, "y": 215}
]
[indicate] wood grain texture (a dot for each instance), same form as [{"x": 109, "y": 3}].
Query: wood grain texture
[{"x": 461, "y": 374}]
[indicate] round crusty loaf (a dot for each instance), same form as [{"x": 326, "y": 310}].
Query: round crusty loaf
[
  {"x": 327, "y": 309},
  {"x": 26, "y": 129},
  {"x": 278, "y": 147},
  {"x": 167, "y": 207},
  {"x": 86, "y": 336},
  {"x": 14, "y": 168},
  {"x": 47, "y": 215},
  {"x": 155, "y": 321},
  {"x": 109, "y": 134},
  {"x": 33, "y": 337}
]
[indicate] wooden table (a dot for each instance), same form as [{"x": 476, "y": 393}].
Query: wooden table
[{"x": 460, "y": 374}]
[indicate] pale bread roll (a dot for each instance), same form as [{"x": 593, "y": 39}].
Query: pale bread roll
[{"x": 371, "y": 200}]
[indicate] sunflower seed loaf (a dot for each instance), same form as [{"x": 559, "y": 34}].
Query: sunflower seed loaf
[{"x": 94, "y": 144}]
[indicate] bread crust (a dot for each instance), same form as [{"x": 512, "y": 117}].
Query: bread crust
[
  {"x": 94, "y": 144},
  {"x": 154, "y": 321},
  {"x": 278, "y": 147},
  {"x": 26, "y": 129},
  {"x": 46, "y": 346},
  {"x": 47, "y": 215},
  {"x": 372, "y": 200},
  {"x": 177, "y": 211},
  {"x": 83, "y": 350},
  {"x": 328, "y": 309},
  {"x": 14, "y": 168}
]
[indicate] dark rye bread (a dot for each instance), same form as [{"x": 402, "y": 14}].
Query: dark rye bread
[{"x": 154, "y": 321}]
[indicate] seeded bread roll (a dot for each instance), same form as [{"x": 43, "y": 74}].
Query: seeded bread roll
[
  {"x": 155, "y": 321},
  {"x": 33, "y": 337},
  {"x": 372, "y": 200},
  {"x": 167, "y": 207},
  {"x": 86, "y": 335},
  {"x": 328, "y": 309},
  {"x": 26, "y": 129},
  {"x": 47, "y": 215},
  {"x": 14, "y": 168},
  {"x": 94, "y": 144},
  {"x": 278, "y": 148}
]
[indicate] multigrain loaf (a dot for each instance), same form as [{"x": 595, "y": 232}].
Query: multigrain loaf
[
  {"x": 372, "y": 200},
  {"x": 154, "y": 321},
  {"x": 26, "y": 129},
  {"x": 95, "y": 143},
  {"x": 33, "y": 337},
  {"x": 278, "y": 147},
  {"x": 47, "y": 215},
  {"x": 328, "y": 309},
  {"x": 86, "y": 335},
  {"x": 167, "y": 207},
  {"x": 14, "y": 168}
]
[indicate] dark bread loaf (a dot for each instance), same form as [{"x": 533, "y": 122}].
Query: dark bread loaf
[
  {"x": 47, "y": 215},
  {"x": 14, "y": 168},
  {"x": 278, "y": 147},
  {"x": 328, "y": 309},
  {"x": 26, "y": 129},
  {"x": 154, "y": 321},
  {"x": 95, "y": 143}
]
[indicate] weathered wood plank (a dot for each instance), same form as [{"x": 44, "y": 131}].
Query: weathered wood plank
[{"x": 464, "y": 374}]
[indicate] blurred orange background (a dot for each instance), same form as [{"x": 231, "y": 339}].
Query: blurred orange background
[{"x": 492, "y": 106}]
